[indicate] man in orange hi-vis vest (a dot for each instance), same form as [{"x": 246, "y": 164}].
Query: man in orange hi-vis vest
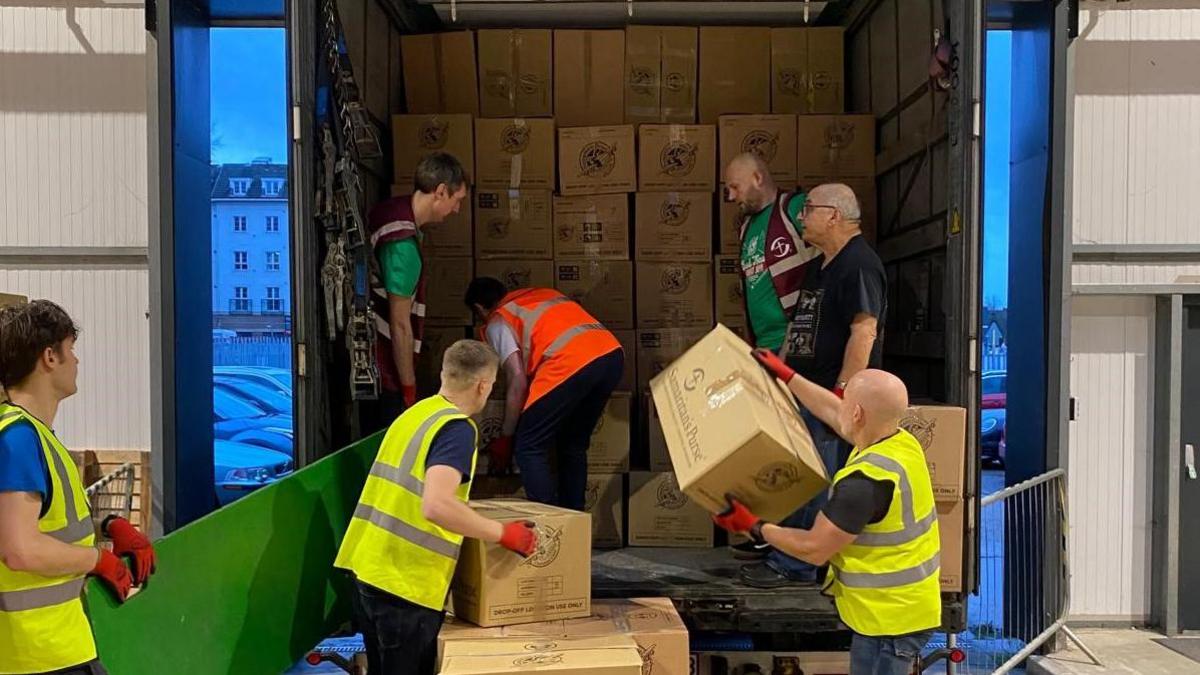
[{"x": 562, "y": 366}]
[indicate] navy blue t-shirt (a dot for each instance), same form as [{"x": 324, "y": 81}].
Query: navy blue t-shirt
[
  {"x": 22, "y": 464},
  {"x": 453, "y": 446}
]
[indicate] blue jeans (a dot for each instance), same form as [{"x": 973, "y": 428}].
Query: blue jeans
[
  {"x": 834, "y": 452},
  {"x": 886, "y": 655}
]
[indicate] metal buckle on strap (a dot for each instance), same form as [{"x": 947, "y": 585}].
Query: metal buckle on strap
[{"x": 38, "y": 598}]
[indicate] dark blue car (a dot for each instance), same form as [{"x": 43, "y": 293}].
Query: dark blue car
[
  {"x": 239, "y": 469},
  {"x": 236, "y": 419}
]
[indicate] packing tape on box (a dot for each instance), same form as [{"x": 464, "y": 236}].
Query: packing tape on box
[
  {"x": 514, "y": 80},
  {"x": 587, "y": 68},
  {"x": 516, "y": 166},
  {"x": 514, "y": 205},
  {"x": 440, "y": 75},
  {"x": 675, "y": 132}
]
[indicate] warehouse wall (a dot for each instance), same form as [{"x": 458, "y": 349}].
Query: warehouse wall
[
  {"x": 1136, "y": 160},
  {"x": 73, "y": 174}
]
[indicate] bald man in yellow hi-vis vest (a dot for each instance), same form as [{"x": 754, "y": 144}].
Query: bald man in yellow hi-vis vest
[{"x": 878, "y": 532}]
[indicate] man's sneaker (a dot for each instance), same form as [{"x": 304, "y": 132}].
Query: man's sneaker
[
  {"x": 763, "y": 575},
  {"x": 749, "y": 550}
]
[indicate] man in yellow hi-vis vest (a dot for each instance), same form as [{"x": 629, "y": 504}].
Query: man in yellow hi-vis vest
[
  {"x": 47, "y": 536},
  {"x": 879, "y": 530},
  {"x": 402, "y": 543}
]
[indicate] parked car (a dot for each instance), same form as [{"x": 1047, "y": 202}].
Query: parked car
[
  {"x": 991, "y": 435},
  {"x": 279, "y": 379},
  {"x": 235, "y": 419},
  {"x": 994, "y": 390},
  {"x": 240, "y": 468},
  {"x": 269, "y": 399}
]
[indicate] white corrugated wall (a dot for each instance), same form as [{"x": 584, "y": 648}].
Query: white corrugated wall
[
  {"x": 1136, "y": 168},
  {"x": 73, "y": 164}
]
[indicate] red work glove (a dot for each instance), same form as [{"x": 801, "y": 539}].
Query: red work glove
[
  {"x": 839, "y": 391},
  {"x": 519, "y": 537},
  {"x": 500, "y": 452},
  {"x": 113, "y": 572},
  {"x": 774, "y": 364},
  {"x": 737, "y": 519},
  {"x": 128, "y": 541},
  {"x": 408, "y": 392}
]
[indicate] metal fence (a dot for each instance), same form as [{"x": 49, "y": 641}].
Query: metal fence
[
  {"x": 273, "y": 352},
  {"x": 1024, "y": 576},
  {"x": 113, "y": 493}
]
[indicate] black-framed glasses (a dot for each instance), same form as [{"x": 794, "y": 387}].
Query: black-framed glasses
[{"x": 808, "y": 207}]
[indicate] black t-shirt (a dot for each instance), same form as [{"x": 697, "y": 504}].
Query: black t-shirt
[
  {"x": 858, "y": 501},
  {"x": 852, "y": 283},
  {"x": 453, "y": 446}
]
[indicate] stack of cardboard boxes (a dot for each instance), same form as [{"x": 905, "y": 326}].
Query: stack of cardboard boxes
[{"x": 942, "y": 432}]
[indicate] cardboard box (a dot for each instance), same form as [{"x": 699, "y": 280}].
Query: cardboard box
[
  {"x": 490, "y": 420},
  {"x": 771, "y": 137},
  {"x": 595, "y": 227},
  {"x": 589, "y": 77},
  {"x": 677, "y": 157},
  {"x": 735, "y": 71},
  {"x": 579, "y": 661},
  {"x": 515, "y": 73},
  {"x": 518, "y": 273},
  {"x": 661, "y": 515},
  {"x": 660, "y": 457},
  {"x": 729, "y": 223},
  {"x": 673, "y": 226},
  {"x": 603, "y": 499},
  {"x": 628, "y": 340},
  {"x": 596, "y": 160},
  {"x": 603, "y": 287},
  {"x": 833, "y": 146},
  {"x": 942, "y": 432},
  {"x": 657, "y": 348},
  {"x": 5, "y": 300},
  {"x": 450, "y": 238},
  {"x": 439, "y": 73},
  {"x": 495, "y": 587},
  {"x": 808, "y": 70},
  {"x": 446, "y": 281},
  {"x": 609, "y": 449},
  {"x": 434, "y": 341},
  {"x": 731, "y": 428},
  {"x": 730, "y": 291},
  {"x": 674, "y": 294},
  {"x": 950, "y": 527},
  {"x": 414, "y": 137},
  {"x": 513, "y": 224},
  {"x": 514, "y": 153},
  {"x": 660, "y": 74}
]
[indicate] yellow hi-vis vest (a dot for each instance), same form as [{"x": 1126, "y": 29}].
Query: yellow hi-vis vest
[
  {"x": 886, "y": 582},
  {"x": 390, "y": 545},
  {"x": 42, "y": 623}
]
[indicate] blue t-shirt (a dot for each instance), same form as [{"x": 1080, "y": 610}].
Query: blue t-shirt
[
  {"x": 22, "y": 464},
  {"x": 453, "y": 446}
]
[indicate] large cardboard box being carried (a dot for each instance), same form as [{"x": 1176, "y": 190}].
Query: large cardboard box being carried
[
  {"x": 515, "y": 73},
  {"x": 614, "y": 655},
  {"x": 771, "y": 137},
  {"x": 514, "y": 153},
  {"x": 950, "y": 528},
  {"x": 609, "y": 448},
  {"x": 735, "y": 71},
  {"x": 588, "y": 77},
  {"x": 729, "y": 291},
  {"x": 518, "y": 273},
  {"x": 660, "y": 74},
  {"x": 592, "y": 227},
  {"x": 603, "y": 499},
  {"x": 674, "y": 294},
  {"x": 731, "y": 428},
  {"x": 835, "y": 146},
  {"x": 513, "y": 224},
  {"x": 439, "y": 73},
  {"x": 5, "y": 300},
  {"x": 450, "y": 238},
  {"x": 677, "y": 157},
  {"x": 942, "y": 432},
  {"x": 603, "y": 287},
  {"x": 673, "y": 226},
  {"x": 661, "y": 515},
  {"x": 446, "y": 281},
  {"x": 807, "y": 70},
  {"x": 495, "y": 587},
  {"x": 415, "y": 137},
  {"x": 596, "y": 160}
]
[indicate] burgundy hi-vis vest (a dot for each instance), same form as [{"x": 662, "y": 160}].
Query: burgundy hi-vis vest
[
  {"x": 393, "y": 220},
  {"x": 785, "y": 254}
]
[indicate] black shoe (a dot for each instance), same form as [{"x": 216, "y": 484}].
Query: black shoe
[
  {"x": 749, "y": 550},
  {"x": 763, "y": 575}
]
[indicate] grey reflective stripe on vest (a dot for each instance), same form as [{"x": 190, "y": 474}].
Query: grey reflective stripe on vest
[
  {"x": 913, "y": 528},
  {"x": 10, "y": 414},
  {"x": 37, "y": 598},
  {"x": 76, "y": 528},
  {"x": 569, "y": 334},
  {"x": 413, "y": 535},
  {"x": 890, "y": 579},
  {"x": 529, "y": 317},
  {"x": 402, "y": 475},
  {"x": 74, "y": 531}
]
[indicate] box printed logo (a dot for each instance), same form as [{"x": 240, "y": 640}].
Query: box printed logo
[
  {"x": 433, "y": 134},
  {"x": 675, "y": 280},
  {"x": 514, "y": 139},
  {"x": 677, "y": 158},
  {"x": 668, "y": 495},
  {"x": 777, "y": 477},
  {"x": 597, "y": 159},
  {"x": 762, "y": 143},
  {"x": 549, "y": 544}
]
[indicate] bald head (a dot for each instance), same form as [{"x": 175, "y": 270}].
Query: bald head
[
  {"x": 881, "y": 395},
  {"x": 839, "y": 196},
  {"x": 749, "y": 183}
]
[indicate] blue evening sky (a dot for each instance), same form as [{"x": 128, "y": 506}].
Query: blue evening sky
[
  {"x": 249, "y": 94},
  {"x": 996, "y": 136}
]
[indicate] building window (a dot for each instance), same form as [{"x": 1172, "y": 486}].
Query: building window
[
  {"x": 272, "y": 186},
  {"x": 240, "y": 304},
  {"x": 273, "y": 304},
  {"x": 272, "y": 261},
  {"x": 239, "y": 223},
  {"x": 272, "y": 223},
  {"x": 238, "y": 187},
  {"x": 241, "y": 260}
]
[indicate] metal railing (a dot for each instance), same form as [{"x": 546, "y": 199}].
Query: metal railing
[
  {"x": 1024, "y": 576},
  {"x": 113, "y": 493}
]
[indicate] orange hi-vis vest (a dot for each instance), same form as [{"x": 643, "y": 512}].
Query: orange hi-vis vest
[{"x": 557, "y": 337}]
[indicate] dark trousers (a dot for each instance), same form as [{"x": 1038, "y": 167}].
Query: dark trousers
[
  {"x": 401, "y": 638},
  {"x": 886, "y": 655},
  {"x": 559, "y": 426}
]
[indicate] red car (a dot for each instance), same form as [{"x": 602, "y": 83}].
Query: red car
[{"x": 994, "y": 387}]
